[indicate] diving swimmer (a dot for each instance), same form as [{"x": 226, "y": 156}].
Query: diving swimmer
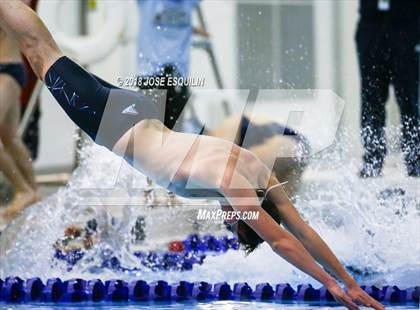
[{"x": 128, "y": 124}]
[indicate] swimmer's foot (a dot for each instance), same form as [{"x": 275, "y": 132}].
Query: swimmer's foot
[{"x": 21, "y": 201}]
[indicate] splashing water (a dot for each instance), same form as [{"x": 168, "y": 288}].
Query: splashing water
[{"x": 372, "y": 225}]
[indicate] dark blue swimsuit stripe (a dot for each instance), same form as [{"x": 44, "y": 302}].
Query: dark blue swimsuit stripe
[{"x": 16, "y": 71}]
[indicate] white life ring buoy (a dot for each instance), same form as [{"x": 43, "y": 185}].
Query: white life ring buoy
[{"x": 90, "y": 48}]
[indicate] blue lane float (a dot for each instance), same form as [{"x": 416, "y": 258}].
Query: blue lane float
[
  {"x": 16, "y": 290},
  {"x": 196, "y": 248}
]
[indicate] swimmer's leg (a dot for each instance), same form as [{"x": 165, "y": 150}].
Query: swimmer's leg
[
  {"x": 9, "y": 126},
  {"x": 12, "y": 171},
  {"x": 89, "y": 103},
  {"x": 21, "y": 155},
  {"x": 103, "y": 111},
  {"x": 24, "y": 194},
  {"x": 80, "y": 95},
  {"x": 15, "y": 162},
  {"x": 33, "y": 38}
]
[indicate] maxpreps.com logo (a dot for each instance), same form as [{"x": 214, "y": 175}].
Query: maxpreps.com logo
[{"x": 221, "y": 215}]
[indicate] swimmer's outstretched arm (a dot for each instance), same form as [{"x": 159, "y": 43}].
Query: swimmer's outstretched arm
[
  {"x": 318, "y": 248},
  {"x": 241, "y": 170},
  {"x": 281, "y": 241}
]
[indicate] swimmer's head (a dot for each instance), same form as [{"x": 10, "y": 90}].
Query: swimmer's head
[{"x": 247, "y": 237}]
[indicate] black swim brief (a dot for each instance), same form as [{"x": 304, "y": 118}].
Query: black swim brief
[
  {"x": 16, "y": 70},
  {"x": 103, "y": 111}
]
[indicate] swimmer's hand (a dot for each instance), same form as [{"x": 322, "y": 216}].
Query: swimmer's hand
[
  {"x": 341, "y": 297},
  {"x": 361, "y": 297}
]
